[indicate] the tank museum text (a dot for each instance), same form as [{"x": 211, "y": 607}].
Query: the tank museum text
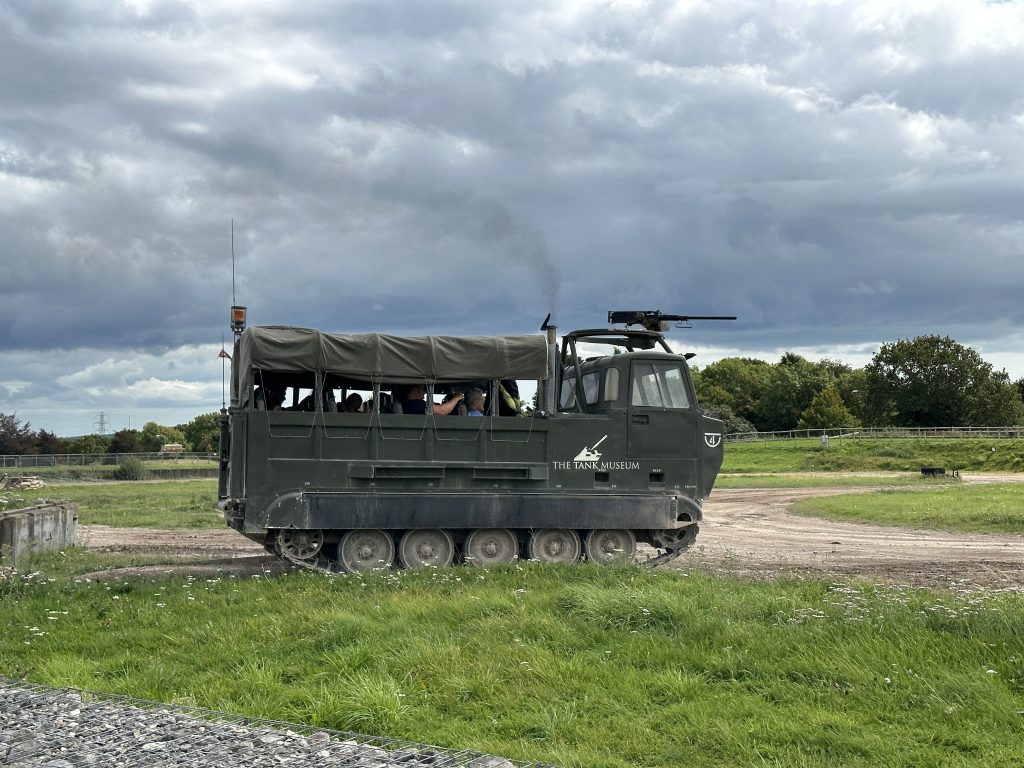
[{"x": 595, "y": 465}]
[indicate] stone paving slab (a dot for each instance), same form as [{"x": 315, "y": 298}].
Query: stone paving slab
[{"x": 60, "y": 728}]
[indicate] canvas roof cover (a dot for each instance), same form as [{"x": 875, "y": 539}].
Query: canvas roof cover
[{"x": 390, "y": 359}]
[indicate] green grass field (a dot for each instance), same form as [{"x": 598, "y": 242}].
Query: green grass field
[
  {"x": 861, "y": 455},
  {"x": 974, "y": 509},
  {"x": 910, "y": 500},
  {"x": 825, "y": 480},
  {"x": 579, "y": 667},
  {"x": 161, "y": 504}
]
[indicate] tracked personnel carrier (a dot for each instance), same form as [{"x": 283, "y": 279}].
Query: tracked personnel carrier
[{"x": 615, "y": 451}]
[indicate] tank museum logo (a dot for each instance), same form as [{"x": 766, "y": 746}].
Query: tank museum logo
[
  {"x": 590, "y": 454},
  {"x": 590, "y": 458},
  {"x": 713, "y": 439}
]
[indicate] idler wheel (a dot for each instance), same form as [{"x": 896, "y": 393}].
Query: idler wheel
[{"x": 674, "y": 539}]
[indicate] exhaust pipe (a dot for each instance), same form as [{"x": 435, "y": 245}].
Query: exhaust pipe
[{"x": 549, "y": 386}]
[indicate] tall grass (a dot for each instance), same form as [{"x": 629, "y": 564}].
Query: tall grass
[{"x": 575, "y": 666}]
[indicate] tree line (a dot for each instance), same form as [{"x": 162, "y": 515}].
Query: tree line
[
  {"x": 927, "y": 381},
  {"x": 201, "y": 434}
]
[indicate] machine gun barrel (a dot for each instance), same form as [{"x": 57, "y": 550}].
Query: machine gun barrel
[{"x": 652, "y": 319}]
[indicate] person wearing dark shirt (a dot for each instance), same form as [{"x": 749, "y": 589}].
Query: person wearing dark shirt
[
  {"x": 415, "y": 404},
  {"x": 269, "y": 398}
]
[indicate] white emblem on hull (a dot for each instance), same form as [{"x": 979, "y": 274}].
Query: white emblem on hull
[
  {"x": 590, "y": 454},
  {"x": 713, "y": 439}
]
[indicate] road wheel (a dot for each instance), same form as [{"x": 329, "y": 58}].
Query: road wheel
[
  {"x": 491, "y": 546},
  {"x": 554, "y": 545},
  {"x": 428, "y": 547},
  {"x": 366, "y": 550},
  {"x": 609, "y": 547}
]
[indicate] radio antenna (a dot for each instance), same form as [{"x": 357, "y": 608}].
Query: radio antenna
[{"x": 233, "y": 301}]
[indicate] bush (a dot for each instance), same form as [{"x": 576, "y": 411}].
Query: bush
[
  {"x": 130, "y": 468},
  {"x": 9, "y": 499}
]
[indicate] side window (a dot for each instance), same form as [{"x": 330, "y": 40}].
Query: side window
[
  {"x": 283, "y": 391},
  {"x": 567, "y": 397},
  {"x": 295, "y": 397},
  {"x": 590, "y": 384},
  {"x": 658, "y": 385},
  {"x": 611, "y": 384}
]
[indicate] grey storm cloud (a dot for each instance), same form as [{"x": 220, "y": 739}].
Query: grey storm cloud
[{"x": 836, "y": 174}]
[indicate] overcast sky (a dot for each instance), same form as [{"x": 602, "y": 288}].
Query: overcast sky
[{"x": 837, "y": 174}]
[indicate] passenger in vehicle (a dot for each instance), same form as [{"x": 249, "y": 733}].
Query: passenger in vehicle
[
  {"x": 269, "y": 398},
  {"x": 413, "y": 402},
  {"x": 475, "y": 402},
  {"x": 307, "y": 403},
  {"x": 352, "y": 404},
  {"x": 508, "y": 398}
]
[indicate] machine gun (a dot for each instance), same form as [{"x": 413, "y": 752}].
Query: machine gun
[{"x": 656, "y": 320}]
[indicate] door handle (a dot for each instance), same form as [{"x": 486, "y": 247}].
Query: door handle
[{"x": 640, "y": 418}]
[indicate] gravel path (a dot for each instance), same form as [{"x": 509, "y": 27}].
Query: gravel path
[{"x": 56, "y": 728}]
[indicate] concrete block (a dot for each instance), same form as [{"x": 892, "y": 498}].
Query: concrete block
[{"x": 36, "y": 529}]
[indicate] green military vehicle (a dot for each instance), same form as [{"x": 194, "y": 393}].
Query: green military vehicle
[{"x": 616, "y": 451}]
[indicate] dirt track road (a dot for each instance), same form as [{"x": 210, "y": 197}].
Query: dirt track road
[
  {"x": 749, "y": 532},
  {"x": 752, "y": 532}
]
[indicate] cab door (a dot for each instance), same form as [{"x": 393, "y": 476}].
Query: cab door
[{"x": 661, "y": 418}]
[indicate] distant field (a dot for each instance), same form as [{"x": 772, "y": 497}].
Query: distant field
[
  {"x": 897, "y": 455},
  {"x": 104, "y": 461},
  {"x": 100, "y": 470},
  {"x": 798, "y": 480},
  {"x": 162, "y": 504},
  {"x": 970, "y": 509}
]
